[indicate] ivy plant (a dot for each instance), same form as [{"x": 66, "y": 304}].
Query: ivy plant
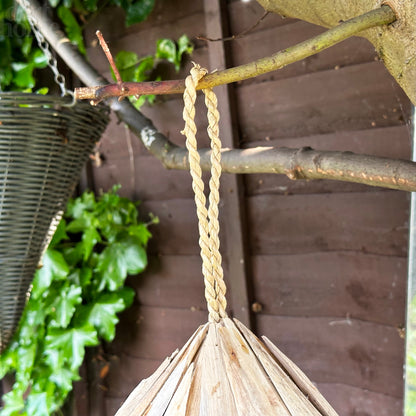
[
  {"x": 75, "y": 298},
  {"x": 19, "y": 54},
  {"x": 135, "y": 69}
]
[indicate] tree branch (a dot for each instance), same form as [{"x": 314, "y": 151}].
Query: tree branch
[
  {"x": 382, "y": 16},
  {"x": 296, "y": 163}
]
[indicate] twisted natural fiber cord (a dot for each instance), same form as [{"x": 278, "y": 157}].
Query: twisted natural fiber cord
[
  {"x": 207, "y": 219},
  {"x": 214, "y": 198}
]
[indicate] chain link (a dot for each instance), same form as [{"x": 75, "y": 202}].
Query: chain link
[{"x": 44, "y": 46}]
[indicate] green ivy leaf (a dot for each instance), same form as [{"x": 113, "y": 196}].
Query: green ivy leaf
[
  {"x": 184, "y": 46},
  {"x": 144, "y": 68},
  {"x": 127, "y": 294},
  {"x": 32, "y": 320},
  {"x": 23, "y": 74},
  {"x": 123, "y": 257},
  {"x": 13, "y": 402},
  {"x": 42, "y": 91},
  {"x": 59, "y": 235},
  {"x": 26, "y": 358},
  {"x": 84, "y": 222},
  {"x": 138, "y": 11},
  {"x": 73, "y": 255},
  {"x": 72, "y": 28},
  {"x": 89, "y": 239},
  {"x": 54, "y": 268},
  {"x": 141, "y": 232},
  {"x": 125, "y": 59},
  {"x": 63, "y": 307},
  {"x": 27, "y": 45},
  {"x": 166, "y": 49},
  {"x": 64, "y": 377},
  {"x": 138, "y": 102},
  {"x": 6, "y": 77},
  {"x": 54, "y": 3},
  {"x": 103, "y": 314},
  {"x": 125, "y": 62},
  {"x": 8, "y": 360},
  {"x": 38, "y": 59},
  {"x": 37, "y": 404},
  {"x": 77, "y": 207},
  {"x": 71, "y": 342}
]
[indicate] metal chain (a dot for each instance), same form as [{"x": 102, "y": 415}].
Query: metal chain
[{"x": 44, "y": 46}]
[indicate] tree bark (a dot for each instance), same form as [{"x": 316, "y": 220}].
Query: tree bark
[
  {"x": 377, "y": 17},
  {"x": 296, "y": 163},
  {"x": 395, "y": 44}
]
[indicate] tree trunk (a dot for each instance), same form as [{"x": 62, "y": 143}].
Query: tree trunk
[{"x": 395, "y": 44}]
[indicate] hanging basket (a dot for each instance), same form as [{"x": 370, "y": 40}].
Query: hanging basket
[{"x": 44, "y": 144}]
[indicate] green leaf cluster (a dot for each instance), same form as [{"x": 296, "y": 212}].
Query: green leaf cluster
[
  {"x": 19, "y": 53},
  {"x": 75, "y": 13},
  {"x": 19, "y": 57},
  {"x": 135, "y": 69},
  {"x": 75, "y": 298}
]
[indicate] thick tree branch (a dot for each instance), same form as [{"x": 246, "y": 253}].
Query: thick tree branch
[
  {"x": 382, "y": 16},
  {"x": 296, "y": 163}
]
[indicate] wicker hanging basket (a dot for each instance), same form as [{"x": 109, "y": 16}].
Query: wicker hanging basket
[{"x": 44, "y": 143}]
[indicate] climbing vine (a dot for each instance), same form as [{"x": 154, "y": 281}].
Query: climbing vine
[{"x": 75, "y": 299}]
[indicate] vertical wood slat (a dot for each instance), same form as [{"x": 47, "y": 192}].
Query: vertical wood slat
[{"x": 232, "y": 185}]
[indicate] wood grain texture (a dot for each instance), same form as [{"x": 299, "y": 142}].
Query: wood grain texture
[
  {"x": 143, "y": 178},
  {"x": 352, "y": 352},
  {"x": 257, "y": 45},
  {"x": 153, "y": 333},
  {"x": 352, "y": 401},
  {"x": 284, "y": 381},
  {"x": 336, "y": 284},
  {"x": 373, "y": 222},
  {"x": 171, "y": 282},
  {"x": 111, "y": 19},
  {"x": 322, "y": 102},
  {"x": 177, "y": 232},
  {"x": 243, "y": 15},
  {"x": 126, "y": 372}
]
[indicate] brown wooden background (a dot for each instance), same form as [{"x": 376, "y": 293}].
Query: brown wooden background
[{"x": 324, "y": 262}]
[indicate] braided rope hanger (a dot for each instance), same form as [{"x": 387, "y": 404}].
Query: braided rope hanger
[
  {"x": 223, "y": 368},
  {"x": 208, "y": 223}
]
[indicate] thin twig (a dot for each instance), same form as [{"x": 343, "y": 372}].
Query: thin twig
[
  {"x": 381, "y": 16},
  {"x": 109, "y": 56},
  {"x": 238, "y": 35},
  {"x": 400, "y": 174}
]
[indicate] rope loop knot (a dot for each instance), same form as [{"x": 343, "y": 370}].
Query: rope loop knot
[{"x": 208, "y": 224}]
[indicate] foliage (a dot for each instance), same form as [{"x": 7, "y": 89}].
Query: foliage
[
  {"x": 19, "y": 55},
  {"x": 410, "y": 403},
  {"x": 135, "y": 69},
  {"x": 74, "y": 301}
]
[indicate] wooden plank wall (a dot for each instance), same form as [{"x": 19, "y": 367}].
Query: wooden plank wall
[{"x": 327, "y": 259}]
